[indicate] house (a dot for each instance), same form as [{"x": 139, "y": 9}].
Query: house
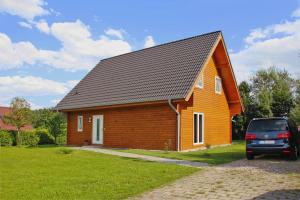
[
  {"x": 8, "y": 127},
  {"x": 181, "y": 95}
]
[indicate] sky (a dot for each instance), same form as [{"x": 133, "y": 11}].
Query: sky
[{"x": 47, "y": 46}]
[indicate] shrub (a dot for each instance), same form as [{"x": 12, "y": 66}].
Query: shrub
[
  {"x": 44, "y": 136},
  {"x": 29, "y": 138},
  {"x": 62, "y": 139},
  {"x": 6, "y": 138},
  {"x": 65, "y": 151}
]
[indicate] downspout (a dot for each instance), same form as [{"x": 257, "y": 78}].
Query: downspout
[{"x": 178, "y": 123}]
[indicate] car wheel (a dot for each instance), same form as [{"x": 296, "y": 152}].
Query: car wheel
[
  {"x": 249, "y": 156},
  {"x": 294, "y": 155}
]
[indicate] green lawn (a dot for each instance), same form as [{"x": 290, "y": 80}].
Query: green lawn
[
  {"x": 218, "y": 155},
  {"x": 44, "y": 173}
]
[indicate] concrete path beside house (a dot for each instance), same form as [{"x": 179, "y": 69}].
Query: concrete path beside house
[{"x": 142, "y": 157}]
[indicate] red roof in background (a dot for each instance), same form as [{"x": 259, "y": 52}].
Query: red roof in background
[{"x": 7, "y": 127}]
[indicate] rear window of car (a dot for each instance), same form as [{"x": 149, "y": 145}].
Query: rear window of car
[{"x": 267, "y": 125}]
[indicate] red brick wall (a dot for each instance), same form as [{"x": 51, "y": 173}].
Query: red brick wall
[{"x": 141, "y": 127}]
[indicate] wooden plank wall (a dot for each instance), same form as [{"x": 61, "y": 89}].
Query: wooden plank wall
[{"x": 217, "y": 120}]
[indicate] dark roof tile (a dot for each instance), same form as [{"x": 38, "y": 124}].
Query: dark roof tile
[{"x": 163, "y": 72}]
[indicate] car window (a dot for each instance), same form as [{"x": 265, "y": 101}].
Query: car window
[{"x": 268, "y": 125}]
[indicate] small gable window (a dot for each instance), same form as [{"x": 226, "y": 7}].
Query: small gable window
[
  {"x": 79, "y": 123},
  {"x": 218, "y": 85},
  {"x": 200, "y": 81}
]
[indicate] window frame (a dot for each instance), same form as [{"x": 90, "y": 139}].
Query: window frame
[
  {"x": 218, "y": 78},
  {"x": 202, "y": 78},
  {"x": 78, "y": 118},
  {"x": 198, "y": 133}
]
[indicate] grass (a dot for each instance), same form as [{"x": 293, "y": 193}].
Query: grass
[
  {"x": 218, "y": 155},
  {"x": 57, "y": 173}
]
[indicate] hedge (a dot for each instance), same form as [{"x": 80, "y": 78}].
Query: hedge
[
  {"x": 29, "y": 138},
  {"x": 44, "y": 136},
  {"x": 6, "y": 139}
]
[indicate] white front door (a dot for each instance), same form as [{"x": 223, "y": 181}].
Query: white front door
[{"x": 97, "y": 129}]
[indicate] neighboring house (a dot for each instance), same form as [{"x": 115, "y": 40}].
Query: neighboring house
[
  {"x": 181, "y": 94},
  {"x": 8, "y": 127}
]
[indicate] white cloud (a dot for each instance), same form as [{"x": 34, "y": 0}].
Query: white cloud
[
  {"x": 276, "y": 45},
  {"x": 16, "y": 54},
  {"x": 115, "y": 32},
  {"x": 296, "y": 13},
  {"x": 255, "y": 35},
  {"x": 30, "y": 86},
  {"x": 35, "y": 106},
  {"x": 72, "y": 83},
  {"x": 27, "y": 9},
  {"x": 149, "y": 41},
  {"x": 79, "y": 50},
  {"x": 25, "y": 25},
  {"x": 42, "y": 25},
  {"x": 54, "y": 101}
]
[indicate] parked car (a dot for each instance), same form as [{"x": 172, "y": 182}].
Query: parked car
[{"x": 272, "y": 136}]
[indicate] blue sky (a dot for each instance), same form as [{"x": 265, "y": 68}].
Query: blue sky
[{"x": 46, "y": 47}]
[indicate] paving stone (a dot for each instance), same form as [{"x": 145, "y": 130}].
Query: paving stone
[{"x": 264, "y": 178}]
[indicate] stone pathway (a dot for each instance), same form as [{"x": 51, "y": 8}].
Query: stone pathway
[
  {"x": 143, "y": 157},
  {"x": 264, "y": 178}
]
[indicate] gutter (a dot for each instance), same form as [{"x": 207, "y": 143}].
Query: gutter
[{"x": 178, "y": 123}]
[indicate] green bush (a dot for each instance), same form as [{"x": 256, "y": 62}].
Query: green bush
[
  {"x": 6, "y": 138},
  {"x": 62, "y": 139},
  {"x": 29, "y": 138},
  {"x": 44, "y": 136}
]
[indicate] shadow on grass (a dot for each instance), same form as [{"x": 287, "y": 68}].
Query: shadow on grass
[
  {"x": 46, "y": 146},
  {"x": 137, "y": 160},
  {"x": 208, "y": 157},
  {"x": 280, "y": 194}
]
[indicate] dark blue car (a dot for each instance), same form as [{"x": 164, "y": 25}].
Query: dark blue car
[{"x": 272, "y": 136}]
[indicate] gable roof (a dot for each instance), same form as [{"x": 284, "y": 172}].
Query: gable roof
[{"x": 162, "y": 72}]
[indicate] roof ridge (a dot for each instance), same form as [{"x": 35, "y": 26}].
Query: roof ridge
[{"x": 159, "y": 45}]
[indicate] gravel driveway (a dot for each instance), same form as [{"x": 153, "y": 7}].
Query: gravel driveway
[{"x": 262, "y": 178}]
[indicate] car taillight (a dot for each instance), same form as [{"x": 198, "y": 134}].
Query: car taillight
[
  {"x": 284, "y": 135},
  {"x": 250, "y": 136}
]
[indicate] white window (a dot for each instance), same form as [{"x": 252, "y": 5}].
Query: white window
[
  {"x": 79, "y": 123},
  {"x": 218, "y": 85},
  {"x": 200, "y": 81},
  {"x": 198, "y": 128}
]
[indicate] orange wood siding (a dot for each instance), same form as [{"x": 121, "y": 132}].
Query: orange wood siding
[
  {"x": 141, "y": 127},
  {"x": 217, "y": 120}
]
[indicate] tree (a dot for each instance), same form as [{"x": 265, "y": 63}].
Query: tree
[
  {"x": 295, "y": 113},
  {"x": 57, "y": 125},
  {"x": 19, "y": 116},
  {"x": 264, "y": 101},
  {"x": 283, "y": 101},
  {"x": 273, "y": 90},
  {"x": 251, "y": 109},
  {"x": 42, "y": 117}
]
